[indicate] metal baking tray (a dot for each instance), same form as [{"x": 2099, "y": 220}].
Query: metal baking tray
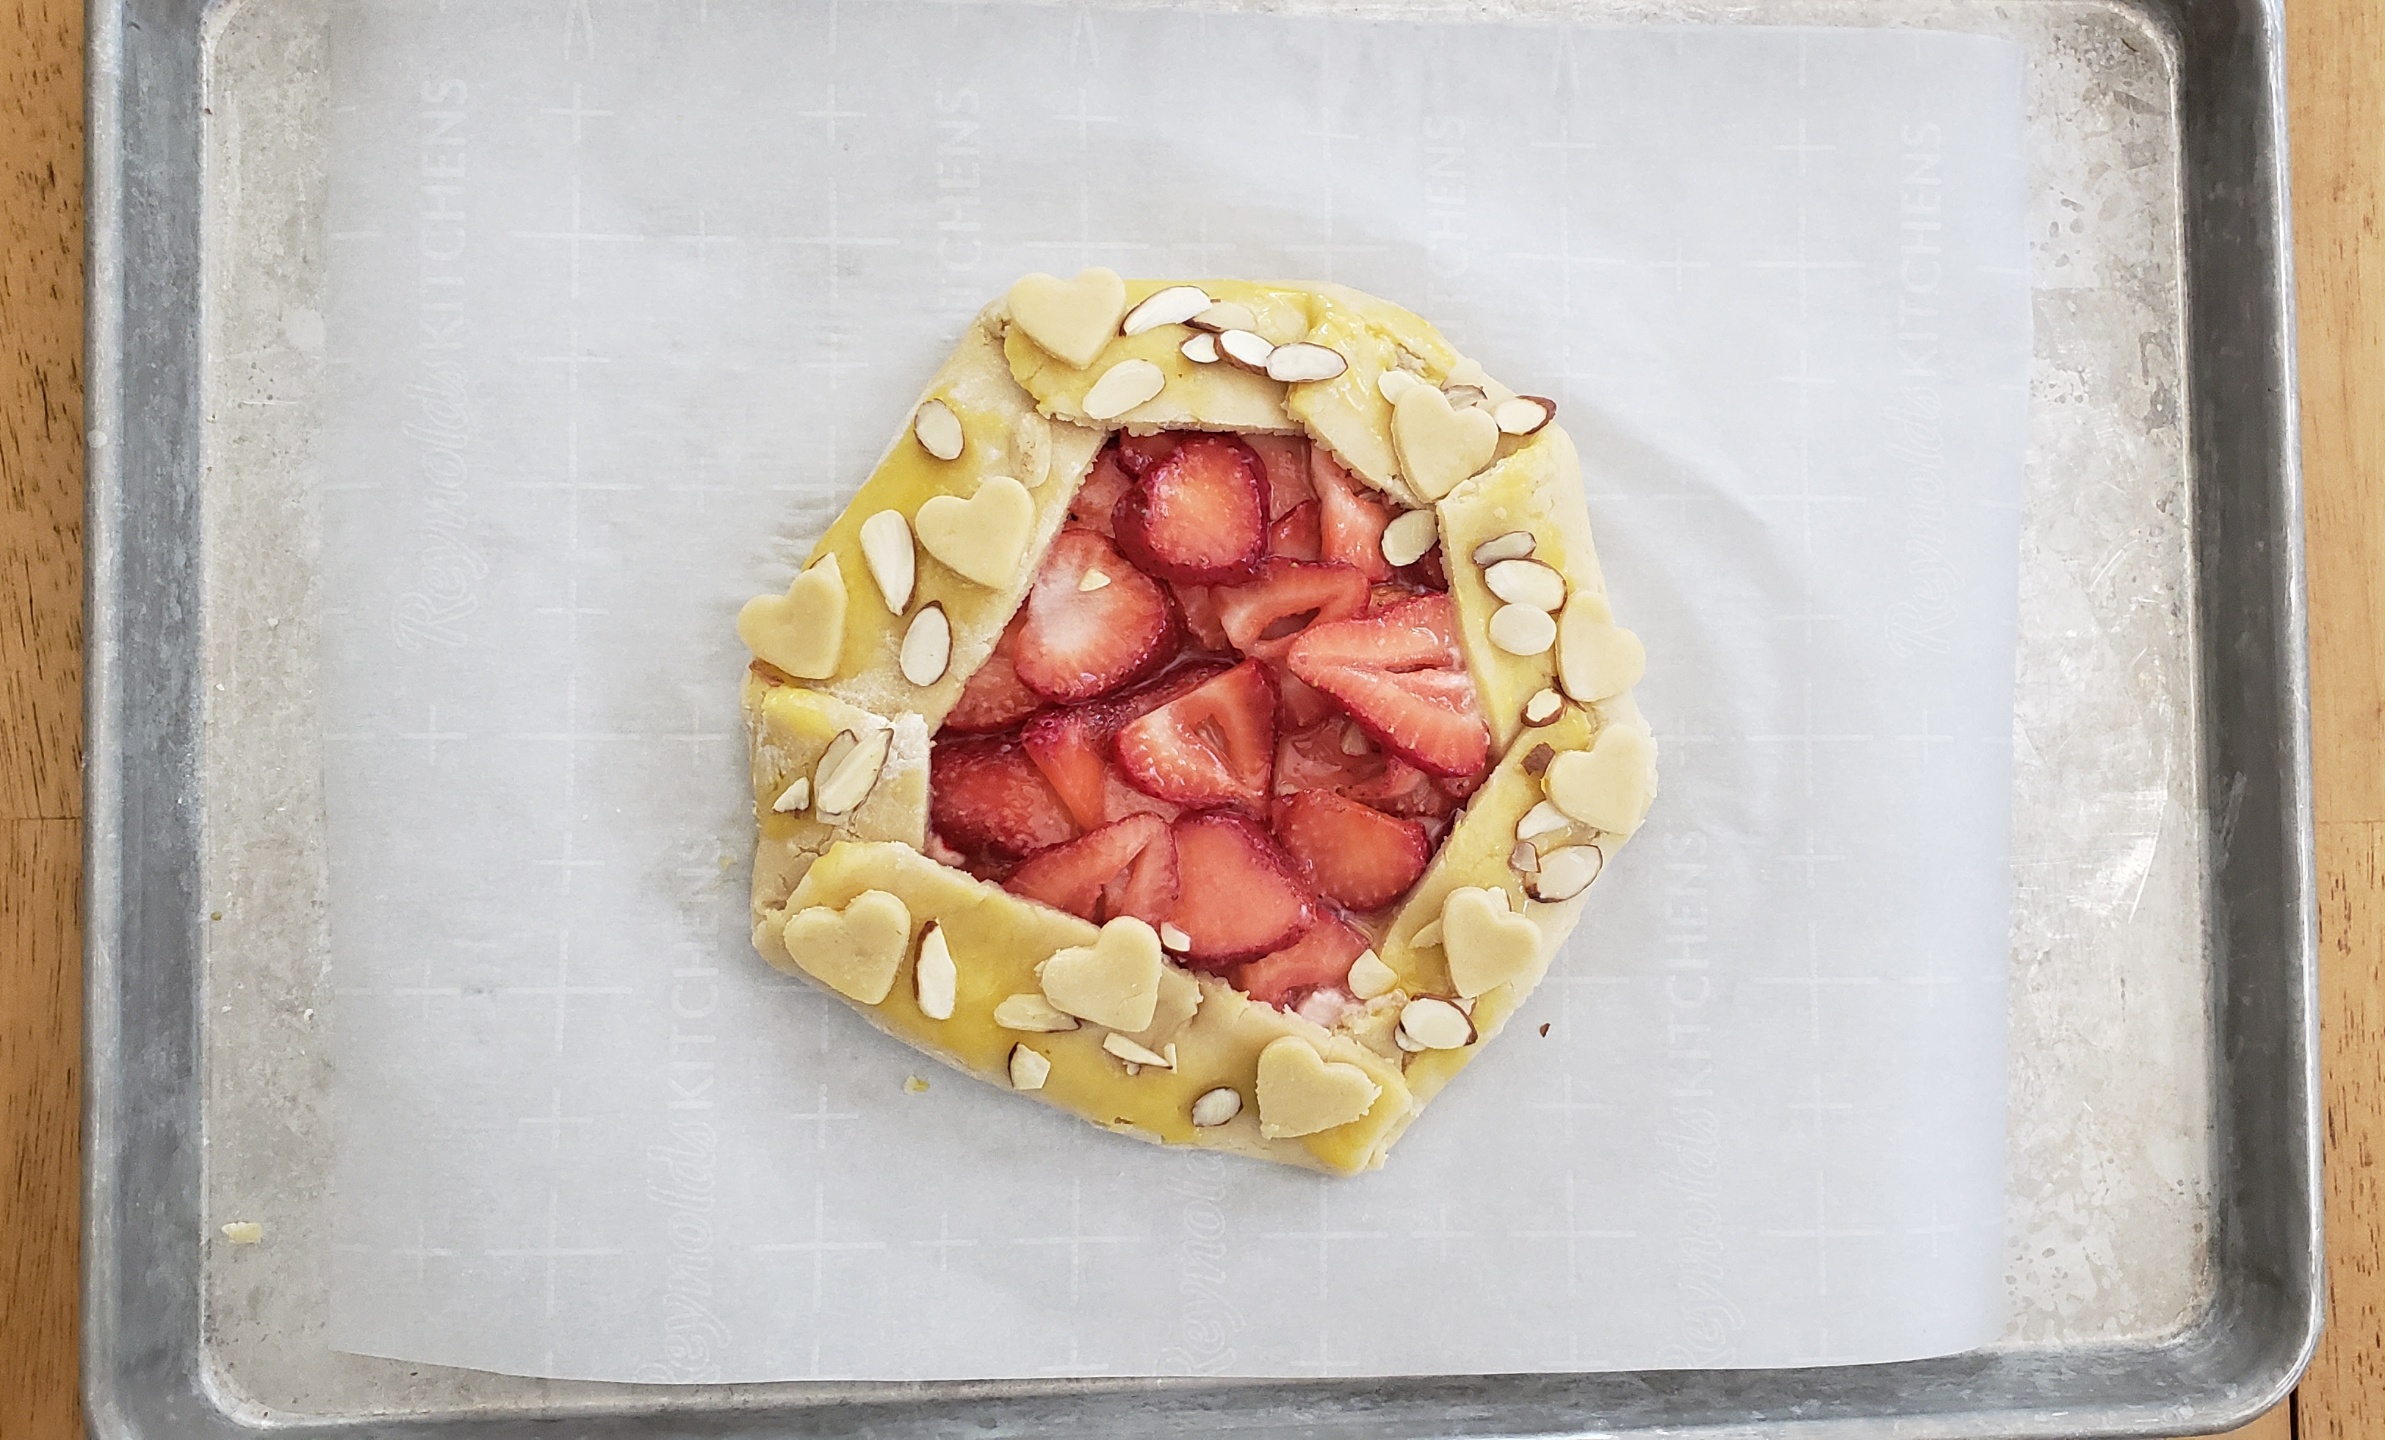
[{"x": 2164, "y": 1247}]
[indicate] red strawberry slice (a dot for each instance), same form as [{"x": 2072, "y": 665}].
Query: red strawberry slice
[
  {"x": 994, "y": 699},
  {"x": 1413, "y": 633},
  {"x": 1286, "y": 459},
  {"x": 1357, "y": 857},
  {"x": 1126, "y": 868},
  {"x": 1321, "y": 957},
  {"x": 986, "y": 798},
  {"x": 1079, "y": 643},
  {"x": 1105, "y": 485},
  {"x": 1139, "y": 453},
  {"x": 1199, "y": 514},
  {"x": 1214, "y": 744},
  {"x": 1300, "y": 703},
  {"x": 1427, "y": 717},
  {"x": 1396, "y": 672},
  {"x": 1316, "y": 758},
  {"x": 1199, "y": 605},
  {"x": 1296, "y": 536},
  {"x": 1071, "y": 745},
  {"x": 1402, "y": 789},
  {"x": 1238, "y": 895},
  {"x": 1264, "y": 616},
  {"x": 1352, "y": 517}
]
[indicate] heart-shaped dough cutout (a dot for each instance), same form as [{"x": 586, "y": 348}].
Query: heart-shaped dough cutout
[
  {"x": 1301, "y": 1092},
  {"x": 1608, "y": 785},
  {"x": 1073, "y": 319},
  {"x": 1596, "y": 658},
  {"x": 1440, "y": 448},
  {"x": 1486, "y": 944},
  {"x": 984, "y": 537},
  {"x": 803, "y": 631},
  {"x": 1114, "y": 981},
  {"x": 855, "y": 951}
]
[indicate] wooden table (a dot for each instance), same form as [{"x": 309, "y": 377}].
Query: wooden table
[{"x": 2337, "y": 48}]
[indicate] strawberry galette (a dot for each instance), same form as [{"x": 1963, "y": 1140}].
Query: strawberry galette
[{"x": 1207, "y": 718}]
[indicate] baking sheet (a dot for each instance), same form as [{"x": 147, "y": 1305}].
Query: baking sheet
[{"x": 581, "y": 343}]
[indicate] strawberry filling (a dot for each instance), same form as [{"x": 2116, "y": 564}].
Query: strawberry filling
[{"x": 1220, "y": 710}]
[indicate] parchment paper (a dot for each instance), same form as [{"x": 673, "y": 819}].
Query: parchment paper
[{"x": 624, "y": 302}]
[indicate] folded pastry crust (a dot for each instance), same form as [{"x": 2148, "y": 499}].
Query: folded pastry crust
[{"x": 852, "y": 678}]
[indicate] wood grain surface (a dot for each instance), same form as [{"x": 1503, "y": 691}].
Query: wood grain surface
[{"x": 2337, "y": 53}]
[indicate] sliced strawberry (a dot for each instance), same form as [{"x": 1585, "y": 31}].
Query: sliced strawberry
[
  {"x": 1351, "y": 516},
  {"x": 1286, "y": 459},
  {"x": 1317, "y": 758},
  {"x": 1214, "y": 744},
  {"x": 1071, "y": 744},
  {"x": 1139, "y": 453},
  {"x": 1296, "y": 536},
  {"x": 1428, "y": 571},
  {"x": 1320, "y": 957},
  {"x": 986, "y": 798},
  {"x": 1393, "y": 592},
  {"x": 1127, "y": 868},
  {"x": 1264, "y": 616},
  {"x": 1199, "y": 514},
  {"x": 1238, "y": 896},
  {"x": 1427, "y": 717},
  {"x": 1097, "y": 499},
  {"x": 1300, "y": 703},
  {"x": 1413, "y": 633},
  {"x": 1358, "y": 857},
  {"x": 1120, "y": 799},
  {"x": 1078, "y": 643},
  {"x": 1399, "y": 788},
  {"x": 1199, "y": 604},
  {"x": 994, "y": 699}
]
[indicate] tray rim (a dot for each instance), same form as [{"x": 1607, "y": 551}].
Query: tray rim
[{"x": 144, "y": 1369}]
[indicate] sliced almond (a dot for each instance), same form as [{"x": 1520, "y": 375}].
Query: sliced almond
[
  {"x": 1305, "y": 362},
  {"x": 1523, "y": 629},
  {"x": 1133, "y": 1054},
  {"x": 1435, "y": 1024},
  {"x": 1031, "y": 449},
  {"x": 1370, "y": 977},
  {"x": 1523, "y": 415},
  {"x": 927, "y": 646},
  {"x": 1216, "y": 1107},
  {"x": 797, "y": 796},
  {"x": 1526, "y": 582},
  {"x": 1565, "y": 872},
  {"x": 886, "y": 549},
  {"x": 1400, "y": 1038},
  {"x": 1596, "y": 658},
  {"x": 838, "y": 790},
  {"x": 936, "y": 979},
  {"x": 1031, "y": 1012},
  {"x": 842, "y": 745},
  {"x": 1465, "y": 397},
  {"x": 1542, "y": 819},
  {"x": 1514, "y": 545},
  {"x": 1427, "y": 936},
  {"x": 1201, "y": 349},
  {"x": 1354, "y": 741},
  {"x": 1028, "y": 1068},
  {"x": 1246, "y": 348},
  {"x": 1174, "y": 939},
  {"x": 1409, "y": 536},
  {"x": 1523, "y": 859},
  {"x": 1091, "y": 581},
  {"x": 1122, "y": 387},
  {"x": 1172, "y": 306},
  {"x": 1226, "y": 315},
  {"x": 1537, "y": 758},
  {"x": 1544, "y": 706},
  {"x": 938, "y": 429},
  {"x": 1391, "y": 384}
]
